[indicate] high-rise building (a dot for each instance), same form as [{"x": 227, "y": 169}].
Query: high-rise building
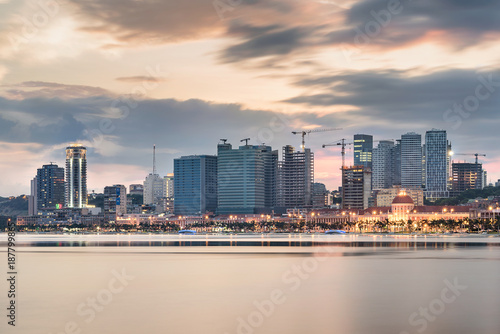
[
  {"x": 168, "y": 184},
  {"x": 168, "y": 193},
  {"x": 411, "y": 161},
  {"x": 76, "y": 176},
  {"x": 436, "y": 160},
  {"x": 115, "y": 200},
  {"x": 50, "y": 187},
  {"x": 247, "y": 179},
  {"x": 295, "y": 178},
  {"x": 383, "y": 165},
  {"x": 356, "y": 187},
  {"x": 466, "y": 176},
  {"x": 195, "y": 184},
  {"x": 396, "y": 163},
  {"x": 32, "y": 198},
  {"x": 363, "y": 147},
  {"x": 153, "y": 189}
]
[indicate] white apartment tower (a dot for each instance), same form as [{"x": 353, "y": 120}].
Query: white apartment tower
[{"x": 76, "y": 176}]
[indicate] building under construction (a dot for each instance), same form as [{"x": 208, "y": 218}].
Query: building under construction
[{"x": 295, "y": 178}]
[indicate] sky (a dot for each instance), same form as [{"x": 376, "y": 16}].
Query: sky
[{"x": 120, "y": 76}]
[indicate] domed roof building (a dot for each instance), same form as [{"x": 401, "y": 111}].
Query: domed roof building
[
  {"x": 403, "y": 199},
  {"x": 401, "y": 206}
]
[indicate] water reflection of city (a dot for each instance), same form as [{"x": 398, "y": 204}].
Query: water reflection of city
[{"x": 408, "y": 245}]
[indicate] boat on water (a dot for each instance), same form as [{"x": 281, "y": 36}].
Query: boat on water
[
  {"x": 187, "y": 232},
  {"x": 335, "y": 232}
]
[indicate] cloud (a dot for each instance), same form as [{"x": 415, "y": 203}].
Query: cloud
[
  {"x": 309, "y": 28},
  {"x": 3, "y": 72},
  {"x": 140, "y": 78},
  {"x": 134, "y": 22},
  {"x": 267, "y": 41},
  {"x": 39, "y": 121},
  {"x": 34, "y": 89},
  {"x": 397, "y": 95},
  {"x": 299, "y": 27},
  {"x": 462, "y": 22}
]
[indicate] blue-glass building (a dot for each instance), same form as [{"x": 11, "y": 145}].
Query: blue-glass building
[
  {"x": 50, "y": 187},
  {"x": 436, "y": 157},
  {"x": 247, "y": 179},
  {"x": 195, "y": 184},
  {"x": 363, "y": 148},
  {"x": 411, "y": 161}
]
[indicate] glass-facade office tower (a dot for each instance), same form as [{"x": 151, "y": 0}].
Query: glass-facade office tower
[
  {"x": 411, "y": 160},
  {"x": 247, "y": 179},
  {"x": 195, "y": 184},
  {"x": 50, "y": 189},
  {"x": 363, "y": 147},
  {"x": 396, "y": 163},
  {"x": 466, "y": 176},
  {"x": 383, "y": 165},
  {"x": 295, "y": 178},
  {"x": 436, "y": 164},
  {"x": 76, "y": 176}
]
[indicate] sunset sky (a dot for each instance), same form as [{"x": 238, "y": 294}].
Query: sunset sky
[{"x": 122, "y": 75}]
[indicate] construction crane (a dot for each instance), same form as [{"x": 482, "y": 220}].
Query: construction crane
[
  {"x": 245, "y": 140},
  {"x": 306, "y": 132},
  {"x": 344, "y": 144},
  {"x": 477, "y": 155}
]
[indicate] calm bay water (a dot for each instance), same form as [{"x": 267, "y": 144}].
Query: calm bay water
[{"x": 255, "y": 284}]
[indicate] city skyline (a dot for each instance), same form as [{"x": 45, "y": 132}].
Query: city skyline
[
  {"x": 350, "y": 161},
  {"x": 119, "y": 84}
]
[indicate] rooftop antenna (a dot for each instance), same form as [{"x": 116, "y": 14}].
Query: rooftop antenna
[
  {"x": 245, "y": 140},
  {"x": 154, "y": 159}
]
